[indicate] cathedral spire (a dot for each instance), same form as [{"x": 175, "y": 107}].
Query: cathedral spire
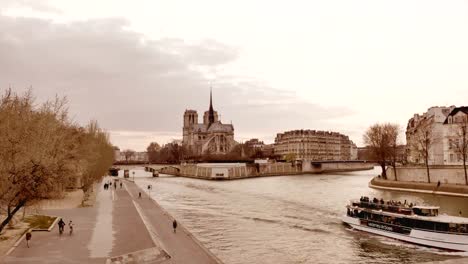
[{"x": 211, "y": 116}]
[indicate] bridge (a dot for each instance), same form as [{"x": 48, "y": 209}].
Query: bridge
[{"x": 154, "y": 168}]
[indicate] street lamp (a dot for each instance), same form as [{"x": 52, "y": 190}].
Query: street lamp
[{"x": 133, "y": 176}]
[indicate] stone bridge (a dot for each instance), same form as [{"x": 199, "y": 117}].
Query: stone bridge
[{"x": 154, "y": 168}]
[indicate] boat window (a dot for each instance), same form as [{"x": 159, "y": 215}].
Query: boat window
[
  {"x": 462, "y": 228},
  {"x": 443, "y": 227},
  {"x": 453, "y": 228},
  {"x": 425, "y": 211},
  {"x": 420, "y": 224}
]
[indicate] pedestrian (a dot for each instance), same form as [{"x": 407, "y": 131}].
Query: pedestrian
[
  {"x": 174, "y": 225},
  {"x": 70, "y": 224},
  {"x": 121, "y": 185},
  {"x": 61, "y": 225},
  {"x": 139, "y": 194},
  {"x": 28, "y": 237}
]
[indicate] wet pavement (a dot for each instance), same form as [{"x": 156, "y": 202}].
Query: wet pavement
[
  {"x": 181, "y": 246},
  {"x": 111, "y": 228},
  {"x": 120, "y": 228}
]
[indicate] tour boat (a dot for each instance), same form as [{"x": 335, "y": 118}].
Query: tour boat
[{"x": 421, "y": 225}]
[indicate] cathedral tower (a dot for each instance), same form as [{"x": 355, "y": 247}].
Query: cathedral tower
[{"x": 210, "y": 116}]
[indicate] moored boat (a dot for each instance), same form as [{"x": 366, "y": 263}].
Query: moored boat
[{"x": 421, "y": 225}]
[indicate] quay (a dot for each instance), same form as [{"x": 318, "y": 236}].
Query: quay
[
  {"x": 119, "y": 228},
  {"x": 234, "y": 171},
  {"x": 444, "y": 180},
  {"x": 420, "y": 187}
]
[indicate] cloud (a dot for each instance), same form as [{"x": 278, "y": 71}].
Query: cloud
[
  {"x": 34, "y": 5},
  {"x": 131, "y": 83}
]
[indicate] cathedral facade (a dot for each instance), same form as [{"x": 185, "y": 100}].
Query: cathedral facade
[{"x": 209, "y": 137}]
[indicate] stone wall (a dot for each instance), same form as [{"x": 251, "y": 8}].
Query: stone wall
[
  {"x": 345, "y": 166},
  {"x": 280, "y": 168},
  {"x": 243, "y": 170},
  {"x": 319, "y": 167},
  {"x": 169, "y": 170},
  {"x": 444, "y": 174}
]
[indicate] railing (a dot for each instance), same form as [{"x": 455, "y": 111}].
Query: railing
[{"x": 385, "y": 207}]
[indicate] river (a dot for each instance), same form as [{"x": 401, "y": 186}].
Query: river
[{"x": 290, "y": 219}]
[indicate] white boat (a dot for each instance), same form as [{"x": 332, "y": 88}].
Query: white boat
[{"x": 422, "y": 225}]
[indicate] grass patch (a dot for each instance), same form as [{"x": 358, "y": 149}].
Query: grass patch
[{"x": 40, "y": 221}]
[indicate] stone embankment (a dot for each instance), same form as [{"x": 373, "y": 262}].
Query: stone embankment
[
  {"x": 120, "y": 228},
  {"x": 444, "y": 174},
  {"x": 233, "y": 171},
  {"x": 420, "y": 187}
]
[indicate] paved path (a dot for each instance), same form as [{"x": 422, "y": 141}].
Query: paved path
[
  {"x": 113, "y": 231},
  {"x": 181, "y": 246}
]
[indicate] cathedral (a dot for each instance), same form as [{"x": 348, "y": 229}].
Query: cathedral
[{"x": 211, "y": 136}]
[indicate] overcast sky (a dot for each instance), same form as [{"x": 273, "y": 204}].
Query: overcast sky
[{"x": 135, "y": 66}]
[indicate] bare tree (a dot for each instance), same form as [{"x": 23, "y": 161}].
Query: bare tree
[
  {"x": 460, "y": 145},
  {"x": 153, "y": 151},
  {"x": 96, "y": 153},
  {"x": 42, "y": 152},
  {"x": 422, "y": 143},
  {"x": 128, "y": 153},
  {"x": 37, "y": 156},
  {"x": 380, "y": 138},
  {"x": 393, "y": 131}
]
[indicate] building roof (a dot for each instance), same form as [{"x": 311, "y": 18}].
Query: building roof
[
  {"x": 215, "y": 127},
  {"x": 200, "y": 128},
  {"x": 218, "y": 127},
  {"x": 463, "y": 109}
]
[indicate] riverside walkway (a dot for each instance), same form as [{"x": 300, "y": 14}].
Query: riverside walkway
[{"x": 119, "y": 228}]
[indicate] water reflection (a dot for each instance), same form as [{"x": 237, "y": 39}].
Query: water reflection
[{"x": 289, "y": 219}]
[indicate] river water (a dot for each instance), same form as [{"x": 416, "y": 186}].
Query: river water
[{"x": 290, "y": 219}]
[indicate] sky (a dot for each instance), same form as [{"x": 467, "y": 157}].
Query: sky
[{"x": 136, "y": 66}]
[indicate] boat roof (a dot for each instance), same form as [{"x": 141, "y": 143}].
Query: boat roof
[
  {"x": 426, "y": 207},
  {"x": 431, "y": 207}
]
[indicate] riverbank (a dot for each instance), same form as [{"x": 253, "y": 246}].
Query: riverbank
[
  {"x": 420, "y": 187},
  {"x": 235, "y": 171},
  {"x": 12, "y": 234},
  {"x": 102, "y": 233},
  {"x": 181, "y": 245}
]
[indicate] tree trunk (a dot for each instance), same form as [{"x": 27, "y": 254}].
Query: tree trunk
[
  {"x": 11, "y": 214},
  {"x": 464, "y": 168},
  {"x": 427, "y": 171},
  {"x": 384, "y": 172},
  {"x": 395, "y": 172}
]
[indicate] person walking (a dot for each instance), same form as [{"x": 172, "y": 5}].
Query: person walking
[
  {"x": 28, "y": 237},
  {"x": 174, "y": 225},
  {"x": 61, "y": 225},
  {"x": 139, "y": 194},
  {"x": 120, "y": 185},
  {"x": 70, "y": 225}
]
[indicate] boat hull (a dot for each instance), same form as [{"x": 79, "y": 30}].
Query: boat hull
[{"x": 450, "y": 242}]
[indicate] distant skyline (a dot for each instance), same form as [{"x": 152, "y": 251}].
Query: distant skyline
[{"x": 135, "y": 66}]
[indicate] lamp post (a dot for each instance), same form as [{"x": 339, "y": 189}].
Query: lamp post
[{"x": 133, "y": 176}]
